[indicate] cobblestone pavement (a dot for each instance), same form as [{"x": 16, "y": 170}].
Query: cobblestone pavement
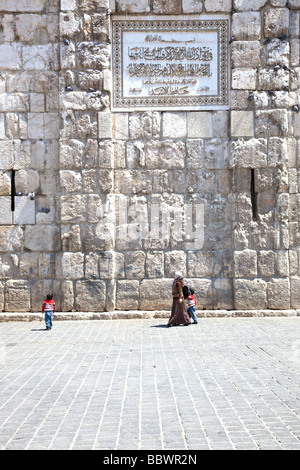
[{"x": 226, "y": 383}]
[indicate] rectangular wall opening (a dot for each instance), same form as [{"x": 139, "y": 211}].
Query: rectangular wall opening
[{"x": 253, "y": 196}]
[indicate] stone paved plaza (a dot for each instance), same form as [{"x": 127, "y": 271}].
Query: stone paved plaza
[{"x": 226, "y": 383}]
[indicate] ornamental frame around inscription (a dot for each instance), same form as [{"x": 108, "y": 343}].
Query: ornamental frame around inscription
[{"x": 219, "y": 25}]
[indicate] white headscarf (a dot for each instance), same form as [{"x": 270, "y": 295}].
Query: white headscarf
[{"x": 177, "y": 277}]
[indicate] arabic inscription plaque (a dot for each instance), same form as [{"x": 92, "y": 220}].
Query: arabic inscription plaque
[{"x": 170, "y": 63}]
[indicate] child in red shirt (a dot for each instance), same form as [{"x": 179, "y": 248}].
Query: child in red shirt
[
  {"x": 49, "y": 308},
  {"x": 192, "y": 306}
]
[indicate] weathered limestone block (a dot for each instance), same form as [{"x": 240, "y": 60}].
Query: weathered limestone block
[
  {"x": 245, "y": 5},
  {"x": 14, "y": 102},
  {"x": 295, "y": 291},
  {"x": 67, "y": 300},
  {"x": 11, "y": 238},
  {"x": 223, "y": 294},
  {"x": 8, "y": 28},
  {"x": 156, "y": 294},
  {"x": 245, "y": 263},
  {"x": 277, "y": 52},
  {"x": 270, "y": 123},
  {"x": 70, "y": 238},
  {"x": 277, "y": 152},
  {"x": 105, "y": 125},
  {"x": 70, "y": 266},
  {"x": 282, "y": 264},
  {"x": 244, "y": 79},
  {"x": 28, "y": 265},
  {"x": 154, "y": 267},
  {"x": 200, "y": 124},
  {"x": 24, "y": 211},
  {"x": 175, "y": 261},
  {"x": 106, "y": 154},
  {"x": 106, "y": 264},
  {"x": 192, "y": 6},
  {"x": 143, "y": 125},
  {"x": 40, "y": 57},
  {"x": 242, "y": 124},
  {"x": 90, "y": 296},
  {"x": 92, "y": 266},
  {"x": 245, "y": 54},
  {"x": 32, "y": 28},
  {"x": 46, "y": 265},
  {"x": 217, "y": 5},
  {"x": 195, "y": 153},
  {"x": 266, "y": 263},
  {"x": 22, "y": 5},
  {"x": 6, "y": 155},
  {"x": 250, "y": 294},
  {"x": 10, "y": 56},
  {"x": 174, "y": 125},
  {"x": 70, "y": 181},
  {"x": 70, "y": 25},
  {"x": 73, "y": 208},
  {"x": 93, "y": 55},
  {"x": 42, "y": 238},
  {"x": 134, "y": 6},
  {"x": 246, "y": 26},
  {"x": 17, "y": 296},
  {"x": 172, "y": 7},
  {"x": 133, "y": 181},
  {"x": 86, "y": 126},
  {"x": 27, "y": 181},
  {"x": 204, "y": 264},
  {"x": 135, "y": 265},
  {"x": 165, "y": 155},
  {"x": 269, "y": 79},
  {"x": 135, "y": 154},
  {"x": 276, "y": 22},
  {"x": 127, "y": 295},
  {"x": 6, "y": 216},
  {"x": 250, "y": 153},
  {"x": 279, "y": 294},
  {"x": 9, "y": 265}
]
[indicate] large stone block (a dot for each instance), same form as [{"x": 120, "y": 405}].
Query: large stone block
[
  {"x": 22, "y": 5},
  {"x": 246, "y": 5},
  {"x": 42, "y": 238},
  {"x": 17, "y": 296},
  {"x": 90, "y": 296},
  {"x": 273, "y": 122},
  {"x": 165, "y": 155},
  {"x": 11, "y": 238},
  {"x": 279, "y": 294},
  {"x": 246, "y": 26},
  {"x": 276, "y": 22},
  {"x": 6, "y": 215},
  {"x": 156, "y": 294},
  {"x": 245, "y": 54},
  {"x": 250, "y": 294},
  {"x": 10, "y": 56},
  {"x": 72, "y": 266},
  {"x": 245, "y": 263},
  {"x": 134, "y": 6},
  {"x": 204, "y": 264},
  {"x": 127, "y": 295},
  {"x": 24, "y": 212},
  {"x": 250, "y": 153}
]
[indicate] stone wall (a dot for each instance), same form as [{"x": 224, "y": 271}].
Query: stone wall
[{"x": 60, "y": 140}]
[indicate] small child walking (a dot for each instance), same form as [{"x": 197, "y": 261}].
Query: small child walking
[
  {"x": 48, "y": 308},
  {"x": 192, "y": 306}
]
